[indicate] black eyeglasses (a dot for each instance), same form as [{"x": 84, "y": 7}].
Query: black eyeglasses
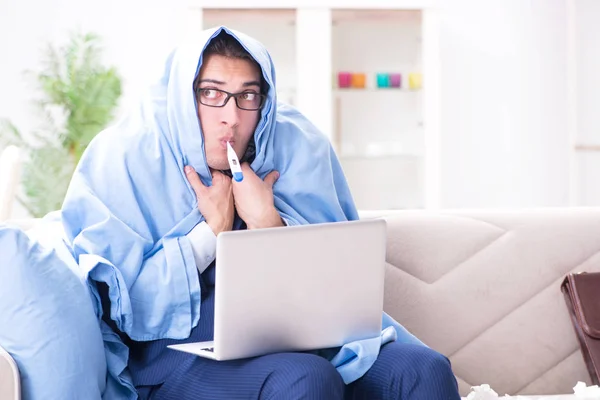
[{"x": 248, "y": 100}]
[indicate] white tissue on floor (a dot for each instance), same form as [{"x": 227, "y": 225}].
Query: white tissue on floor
[
  {"x": 582, "y": 391},
  {"x": 482, "y": 392}
]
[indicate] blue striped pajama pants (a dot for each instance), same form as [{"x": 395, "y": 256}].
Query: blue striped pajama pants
[{"x": 402, "y": 371}]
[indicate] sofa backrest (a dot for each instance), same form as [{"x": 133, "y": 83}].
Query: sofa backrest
[{"x": 483, "y": 288}]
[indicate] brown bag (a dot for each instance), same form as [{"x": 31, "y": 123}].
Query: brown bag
[{"x": 582, "y": 295}]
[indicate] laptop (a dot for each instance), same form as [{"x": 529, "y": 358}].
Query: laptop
[{"x": 296, "y": 288}]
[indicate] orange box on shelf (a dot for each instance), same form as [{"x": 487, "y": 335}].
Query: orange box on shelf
[{"x": 359, "y": 80}]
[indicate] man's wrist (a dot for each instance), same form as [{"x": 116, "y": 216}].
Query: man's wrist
[
  {"x": 272, "y": 220},
  {"x": 217, "y": 227}
]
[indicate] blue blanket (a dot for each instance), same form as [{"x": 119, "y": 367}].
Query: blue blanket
[{"x": 129, "y": 206}]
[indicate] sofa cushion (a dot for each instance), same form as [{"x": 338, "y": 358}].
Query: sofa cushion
[{"x": 47, "y": 322}]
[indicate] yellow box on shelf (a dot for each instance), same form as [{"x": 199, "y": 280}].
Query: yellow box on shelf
[{"x": 415, "y": 80}]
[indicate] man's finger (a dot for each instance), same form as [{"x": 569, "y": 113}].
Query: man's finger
[
  {"x": 271, "y": 178},
  {"x": 194, "y": 180},
  {"x": 218, "y": 178},
  {"x": 245, "y": 167}
]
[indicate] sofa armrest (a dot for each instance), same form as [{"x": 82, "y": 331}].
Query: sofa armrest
[{"x": 10, "y": 383}]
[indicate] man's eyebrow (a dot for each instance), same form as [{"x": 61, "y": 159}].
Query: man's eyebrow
[
  {"x": 251, "y": 83},
  {"x": 217, "y": 82}
]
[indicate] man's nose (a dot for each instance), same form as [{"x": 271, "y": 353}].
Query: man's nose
[{"x": 230, "y": 113}]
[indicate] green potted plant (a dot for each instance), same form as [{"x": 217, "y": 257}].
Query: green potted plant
[{"x": 79, "y": 96}]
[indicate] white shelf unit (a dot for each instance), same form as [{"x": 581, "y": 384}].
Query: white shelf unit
[{"x": 377, "y": 132}]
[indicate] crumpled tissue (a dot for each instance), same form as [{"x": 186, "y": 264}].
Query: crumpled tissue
[
  {"x": 581, "y": 392},
  {"x": 482, "y": 392}
]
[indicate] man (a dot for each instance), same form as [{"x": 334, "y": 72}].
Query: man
[{"x": 151, "y": 194}]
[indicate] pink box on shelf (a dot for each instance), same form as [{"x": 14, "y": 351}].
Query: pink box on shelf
[
  {"x": 395, "y": 80},
  {"x": 344, "y": 79}
]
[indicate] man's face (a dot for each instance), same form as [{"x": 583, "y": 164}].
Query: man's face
[{"x": 228, "y": 123}]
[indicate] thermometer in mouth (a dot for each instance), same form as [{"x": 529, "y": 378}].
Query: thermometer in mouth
[{"x": 234, "y": 164}]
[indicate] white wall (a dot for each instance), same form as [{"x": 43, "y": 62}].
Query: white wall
[
  {"x": 503, "y": 122},
  {"x": 585, "y": 76},
  {"x": 313, "y": 54}
]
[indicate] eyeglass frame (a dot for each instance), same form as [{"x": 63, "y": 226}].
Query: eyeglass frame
[{"x": 229, "y": 96}]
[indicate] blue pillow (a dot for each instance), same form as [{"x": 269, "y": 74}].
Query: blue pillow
[{"x": 47, "y": 322}]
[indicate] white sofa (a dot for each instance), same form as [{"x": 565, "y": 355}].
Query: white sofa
[{"x": 483, "y": 288}]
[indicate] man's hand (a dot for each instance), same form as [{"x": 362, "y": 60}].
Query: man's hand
[
  {"x": 253, "y": 199},
  {"x": 214, "y": 202}
]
